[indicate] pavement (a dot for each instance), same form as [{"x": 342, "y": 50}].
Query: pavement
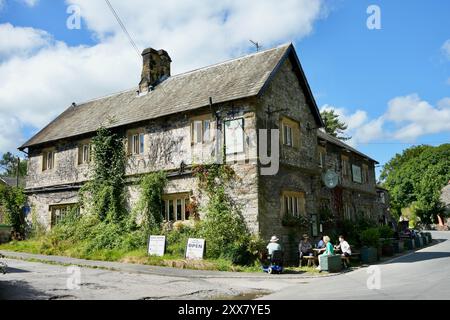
[{"x": 422, "y": 274}]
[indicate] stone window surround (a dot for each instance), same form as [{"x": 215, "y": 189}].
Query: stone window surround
[
  {"x": 81, "y": 155},
  {"x": 294, "y": 127},
  {"x": 242, "y": 118},
  {"x": 205, "y": 119},
  {"x": 174, "y": 198},
  {"x": 45, "y": 154},
  {"x": 322, "y": 152},
  {"x": 63, "y": 209},
  {"x": 129, "y": 147},
  {"x": 287, "y": 197}
]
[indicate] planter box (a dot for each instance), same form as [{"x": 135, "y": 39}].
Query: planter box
[
  {"x": 398, "y": 246},
  {"x": 330, "y": 263},
  {"x": 369, "y": 254},
  {"x": 424, "y": 239},
  {"x": 387, "y": 250},
  {"x": 5, "y": 233},
  {"x": 409, "y": 244},
  {"x": 418, "y": 242},
  {"x": 430, "y": 238}
]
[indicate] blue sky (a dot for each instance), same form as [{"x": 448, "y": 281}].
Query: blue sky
[{"x": 392, "y": 85}]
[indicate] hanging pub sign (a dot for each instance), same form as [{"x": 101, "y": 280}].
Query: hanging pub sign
[
  {"x": 195, "y": 249},
  {"x": 157, "y": 245}
]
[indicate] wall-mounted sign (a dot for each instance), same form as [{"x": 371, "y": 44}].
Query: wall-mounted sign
[
  {"x": 356, "y": 173},
  {"x": 195, "y": 248},
  {"x": 156, "y": 245}
]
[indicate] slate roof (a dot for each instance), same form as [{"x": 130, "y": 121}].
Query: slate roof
[
  {"x": 329, "y": 138},
  {"x": 230, "y": 80}
]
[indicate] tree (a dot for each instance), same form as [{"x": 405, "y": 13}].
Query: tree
[
  {"x": 415, "y": 179},
  {"x": 8, "y": 164},
  {"x": 333, "y": 125}
]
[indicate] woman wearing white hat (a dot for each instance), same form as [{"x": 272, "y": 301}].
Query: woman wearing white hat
[{"x": 273, "y": 245}]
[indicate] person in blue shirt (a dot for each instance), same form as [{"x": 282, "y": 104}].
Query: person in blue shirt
[
  {"x": 321, "y": 243},
  {"x": 273, "y": 245}
]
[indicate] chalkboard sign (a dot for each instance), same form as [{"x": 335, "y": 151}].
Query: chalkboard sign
[
  {"x": 156, "y": 245},
  {"x": 195, "y": 249}
]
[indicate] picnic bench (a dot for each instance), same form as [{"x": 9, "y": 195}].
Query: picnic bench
[{"x": 311, "y": 260}]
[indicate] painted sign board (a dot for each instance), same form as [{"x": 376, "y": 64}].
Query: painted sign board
[
  {"x": 156, "y": 245},
  {"x": 195, "y": 249}
]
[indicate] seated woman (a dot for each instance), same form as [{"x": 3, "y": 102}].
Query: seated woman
[{"x": 329, "y": 250}]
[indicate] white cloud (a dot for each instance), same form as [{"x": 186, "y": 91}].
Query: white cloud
[
  {"x": 29, "y": 3},
  {"x": 11, "y": 132},
  {"x": 21, "y": 40},
  {"x": 446, "y": 49},
  {"x": 48, "y": 75},
  {"x": 406, "y": 119}
]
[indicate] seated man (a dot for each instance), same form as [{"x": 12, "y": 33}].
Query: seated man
[
  {"x": 273, "y": 245},
  {"x": 345, "y": 249},
  {"x": 305, "y": 247}
]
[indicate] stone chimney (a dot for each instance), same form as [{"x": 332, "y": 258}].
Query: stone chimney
[{"x": 155, "y": 68}]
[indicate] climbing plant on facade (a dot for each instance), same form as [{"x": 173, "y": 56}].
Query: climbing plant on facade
[{"x": 105, "y": 192}]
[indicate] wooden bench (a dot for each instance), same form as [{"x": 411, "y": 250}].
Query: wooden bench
[
  {"x": 355, "y": 255},
  {"x": 311, "y": 261}
]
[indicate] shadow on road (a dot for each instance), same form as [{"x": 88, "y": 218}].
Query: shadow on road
[
  {"x": 15, "y": 270},
  {"x": 19, "y": 290},
  {"x": 421, "y": 256}
]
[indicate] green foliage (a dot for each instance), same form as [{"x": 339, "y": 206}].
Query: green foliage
[
  {"x": 104, "y": 193},
  {"x": 290, "y": 220},
  {"x": 385, "y": 232},
  {"x": 12, "y": 199},
  {"x": 333, "y": 126},
  {"x": 223, "y": 227},
  {"x": 8, "y": 164},
  {"x": 370, "y": 237},
  {"x": 416, "y": 178},
  {"x": 150, "y": 200}
]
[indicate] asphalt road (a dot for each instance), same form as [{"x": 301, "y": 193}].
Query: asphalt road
[{"x": 424, "y": 274}]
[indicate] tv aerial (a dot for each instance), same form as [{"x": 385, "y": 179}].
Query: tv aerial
[
  {"x": 330, "y": 179},
  {"x": 256, "y": 44}
]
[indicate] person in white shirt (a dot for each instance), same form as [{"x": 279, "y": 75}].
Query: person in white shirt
[{"x": 346, "y": 251}]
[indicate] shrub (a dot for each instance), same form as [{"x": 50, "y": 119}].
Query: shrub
[{"x": 370, "y": 237}]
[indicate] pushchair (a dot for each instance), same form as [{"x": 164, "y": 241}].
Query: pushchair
[{"x": 274, "y": 264}]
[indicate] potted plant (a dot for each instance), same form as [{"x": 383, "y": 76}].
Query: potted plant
[
  {"x": 369, "y": 241},
  {"x": 386, "y": 234}
]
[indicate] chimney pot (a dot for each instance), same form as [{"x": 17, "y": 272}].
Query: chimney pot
[{"x": 155, "y": 67}]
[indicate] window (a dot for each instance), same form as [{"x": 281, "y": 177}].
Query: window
[
  {"x": 234, "y": 136},
  {"x": 348, "y": 212},
  {"x": 356, "y": 173},
  {"x": 48, "y": 160},
  {"x": 136, "y": 143},
  {"x": 294, "y": 203},
  {"x": 365, "y": 173},
  {"x": 290, "y": 132},
  {"x": 322, "y": 153},
  {"x": 200, "y": 131},
  {"x": 175, "y": 207},
  {"x": 84, "y": 153},
  {"x": 58, "y": 212},
  {"x": 345, "y": 167}
]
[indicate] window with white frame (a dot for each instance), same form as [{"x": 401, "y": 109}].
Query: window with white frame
[
  {"x": 48, "y": 160},
  {"x": 84, "y": 153},
  {"x": 136, "y": 143},
  {"x": 234, "y": 136},
  {"x": 356, "y": 173},
  {"x": 59, "y": 212},
  {"x": 200, "y": 131},
  {"x": 322, "y": 153},
  {"x": 290, "y": 132},
  {"x": 176, "y": 207},
  {"x": 294, "y": 203}
]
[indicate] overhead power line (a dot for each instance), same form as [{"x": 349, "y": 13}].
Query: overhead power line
[{"x": 133, "y": 44}]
